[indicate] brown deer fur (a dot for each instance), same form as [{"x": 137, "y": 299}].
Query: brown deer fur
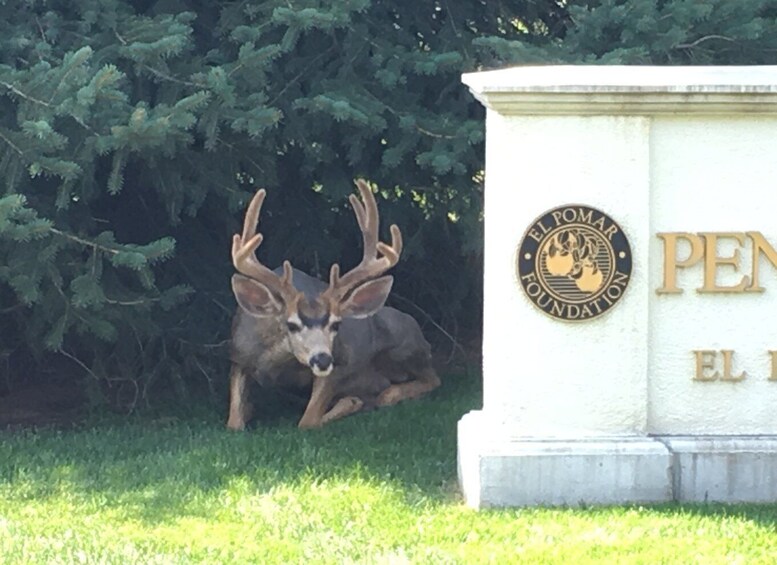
[{"x": 338, "y": 341}]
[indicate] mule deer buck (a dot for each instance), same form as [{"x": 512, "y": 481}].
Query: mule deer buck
[{"x": 338, "y": 340}]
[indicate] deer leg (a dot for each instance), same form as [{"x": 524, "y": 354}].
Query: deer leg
[
  {"x": 320, "y": 397},
  {"x": 426, "y": 381},
  {"x": 240, "y": 408},
  {"x": 344, "y": 407}
]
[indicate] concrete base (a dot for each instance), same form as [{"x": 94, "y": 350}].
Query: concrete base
[
  {"x": 724, "y": 469},
  {"x": 496, "y": 471}
]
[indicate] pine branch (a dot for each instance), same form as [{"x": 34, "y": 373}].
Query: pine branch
[
  {"x": 131, "y": 302},
  {"x": 398, "y": 114},
  {"x": 702, "y": 40},
  {"x": 302, "y": 73},
  {"x": 24, "y": 95},
  {"x": 80, "y": 363},
  {"x": 436, "y": 135},
  {"x": 11, "y": 144},
  {"x": 170, "y": 78},
  {"x": 68, "y": 72},
  {"x": 84, "y": 242}
]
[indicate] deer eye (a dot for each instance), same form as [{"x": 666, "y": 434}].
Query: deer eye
[
  {"x": 293, "y": 327},
  {"x": 334, "y": 326}
]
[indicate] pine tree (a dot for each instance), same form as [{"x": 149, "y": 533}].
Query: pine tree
[
  {"x": 657, "y": 32},
  {"x": 133, "y": 133}
]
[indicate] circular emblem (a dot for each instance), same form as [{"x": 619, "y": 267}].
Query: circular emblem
[{"x": 574, "y": 263}]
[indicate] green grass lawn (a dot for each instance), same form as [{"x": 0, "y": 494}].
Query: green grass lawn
[{"x": 374, "y": 488}]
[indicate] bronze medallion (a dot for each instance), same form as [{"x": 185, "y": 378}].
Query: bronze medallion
[{"x": 574, "y": 263}]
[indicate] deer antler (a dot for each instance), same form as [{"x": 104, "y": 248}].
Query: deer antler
[
  {"x": 371, "y": 265},
  {"x": 244, "y": 254}
]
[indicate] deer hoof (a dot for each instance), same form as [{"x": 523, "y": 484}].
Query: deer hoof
[
  {"x": 344, "y": 407},
  {"x": 390, "y": 396},
  {"x": 236, "y": 425},
  {"x": 307, "y": 425}
]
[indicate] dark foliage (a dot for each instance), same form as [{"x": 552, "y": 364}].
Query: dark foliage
[{"x": 133, "y": 133}]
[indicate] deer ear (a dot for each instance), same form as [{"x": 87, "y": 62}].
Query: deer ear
[
  {"x": 255, "y": 298},
  {"x": 367, "y": 298}
]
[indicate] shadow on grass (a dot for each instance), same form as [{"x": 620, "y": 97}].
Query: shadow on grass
[
  {"x": 761, "y": 514},
  {"x": 158, "y": 470},
  {"x": 764, "y": 515}
]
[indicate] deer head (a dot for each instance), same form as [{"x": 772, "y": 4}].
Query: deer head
[{"x": 310, "y": 324}]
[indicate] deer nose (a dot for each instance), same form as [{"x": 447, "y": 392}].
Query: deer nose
[{"x": 321, "y": 361}]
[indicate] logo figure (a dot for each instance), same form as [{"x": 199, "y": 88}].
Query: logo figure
[{"x": 574, "y": 263}]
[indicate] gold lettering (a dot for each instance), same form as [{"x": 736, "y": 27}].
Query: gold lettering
[
  {"x": 728, "y": 355},
  {"x": 611, "y": 231},
  {"x": 534, "y": 235},
  {"x": 557, "y": 217},
  {"x": 533, "y": 289},
  {"x": 557, "y": 309},
  {"x": 760, "y": 245},
  {"x": 569, "y": 212},
  {"x": 614, "y": 292},
  {"x": 705, "y": 359},
  {"x": 585, "y": 216},
  {"x": 547, "y": 301},
  {"x": 599, "y": 224},
  {"x": 621, "y": 279},
  {"x": 773, "y": 355},
  {"x": 712, "y": 260},
  {"x": 671, "y": 262}
]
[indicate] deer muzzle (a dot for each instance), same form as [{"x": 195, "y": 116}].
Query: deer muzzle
[{"x": 321, "y": 364}]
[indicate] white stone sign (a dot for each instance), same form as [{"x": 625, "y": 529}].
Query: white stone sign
[{"x": 662, "y": 386}]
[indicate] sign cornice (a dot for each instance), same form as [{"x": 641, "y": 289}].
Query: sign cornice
[{"x": 587, "y": 90}]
